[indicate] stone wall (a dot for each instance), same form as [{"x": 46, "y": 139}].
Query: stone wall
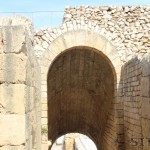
[
  {"x": 33, "y": 98},
  {"x": 19, "y": 86},
  {"x": 127, "y": 28},
  {"x": 135, "y": 96},
  {"x": 12, "y": 87},
  {"x": 131, "y": 86},
  {"x": 145, "y": 102},
  {"x": 120, "y": 34}
]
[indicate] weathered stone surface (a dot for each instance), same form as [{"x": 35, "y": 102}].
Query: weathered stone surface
[
  {"x": 145, "y": 127},
  {"x": 44, "y": 146},
  {"x": 5, "y": 21},
  {"x": 12, "y": 68},
  {"x": 145, "y": 108},
  {"x": 12, "y": 129},
  {"x": 125, "y": 27},
  {"x": 1, "y": 42},
  {"x": 15, "y": 51},
  {"x": 12, "y": 98},
  {"x": 14, "y": 39},
  {"x": 146, "y": 66},
  {"x": 17, "y": 21},
  {"x": 145, "y": 87},
  {"x": 12, "y": 148}
]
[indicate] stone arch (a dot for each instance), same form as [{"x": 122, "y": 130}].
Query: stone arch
[{"x": 82, "y": 39}]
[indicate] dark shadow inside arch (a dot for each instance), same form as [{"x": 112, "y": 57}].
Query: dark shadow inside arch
[{"x": 80, "y": 94}]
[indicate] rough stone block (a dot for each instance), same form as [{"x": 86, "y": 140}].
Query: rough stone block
[
  {"x": 145, "y": 107},
  {"x": 145, "y": 128},
  {"x": 44, "y": 107},
  {"x": 14, "y": 39},
  {"x": 44, "y": 121},
  {"x": 1, "y": 42},
  {"x": 44, "y": 146},
  {"x": 12, "y": 148},
  {"x": 44, "y": 113},
  {"x": 12, "y": 97},
  {"x": 12, "y": 129},
  {"x": 30, "y": 95},
  {"x": 12, "y": 68},
  {"x": 145, "y": 67},
  {"x": 145, "y": 87}
]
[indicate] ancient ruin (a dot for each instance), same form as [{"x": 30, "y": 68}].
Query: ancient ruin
[{"x": 91, "y": 75}]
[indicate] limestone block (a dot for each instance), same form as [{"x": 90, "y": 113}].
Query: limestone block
[
  {"x": 44, "y": 107},
  {"x": 44, "y": 91},
  {"x": 61, "y": 43},
  {"x": 67, "y": 16},
  {"x": 146, "y": 128},
  {"x": 45, "y": 45},
  {"x": 145, "y": 107},
  {"x": 12, "y": 129},
  {"x": 12, "y": 68},
  {"x": 21, "y": 20},
  {"x": 12, "y": 98},
  {"x": 44, "y": 113},
  {"x": 12, "y": 148},
  {"x": 1, "y": 42},
  {"x": 38, "y": 49},
  {"x": 145, "y": 67},
  {"x": 145, "y": 86},
  {"x": 17, "y": 21},
  {"x": 99, "y": 43},
  {"x": 14, "y": 39},
  {"x": 30, "y": 94},
  {"x": 44, "y": 146},
  {"x": 5, "y": 21},
  {"x": 44, "y": 88},
  {"x": 44, "y": 138},
  {"x": 44, "y": 121},
  {"x": 69, "y": 39}
]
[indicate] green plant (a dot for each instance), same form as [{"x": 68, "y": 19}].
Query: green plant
[{"x": 44, "y": 131}]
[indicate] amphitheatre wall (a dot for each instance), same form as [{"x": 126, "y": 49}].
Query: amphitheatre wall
[{"x": 121, "y": 35}]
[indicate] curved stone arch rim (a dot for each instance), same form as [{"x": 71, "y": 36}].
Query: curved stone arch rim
[
  {"x": 78, "y": 44},
  {"x": 77, "y": 31}
]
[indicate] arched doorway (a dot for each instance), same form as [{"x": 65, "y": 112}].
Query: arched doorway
[{"x": 80, "y": 93}]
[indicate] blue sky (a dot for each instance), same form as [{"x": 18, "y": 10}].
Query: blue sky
[{"x": 54, "y": 18}]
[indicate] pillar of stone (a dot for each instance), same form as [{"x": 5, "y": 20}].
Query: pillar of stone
[
  {"x": 12, "y": 87},
  {"x": 19, "y": 128}
]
